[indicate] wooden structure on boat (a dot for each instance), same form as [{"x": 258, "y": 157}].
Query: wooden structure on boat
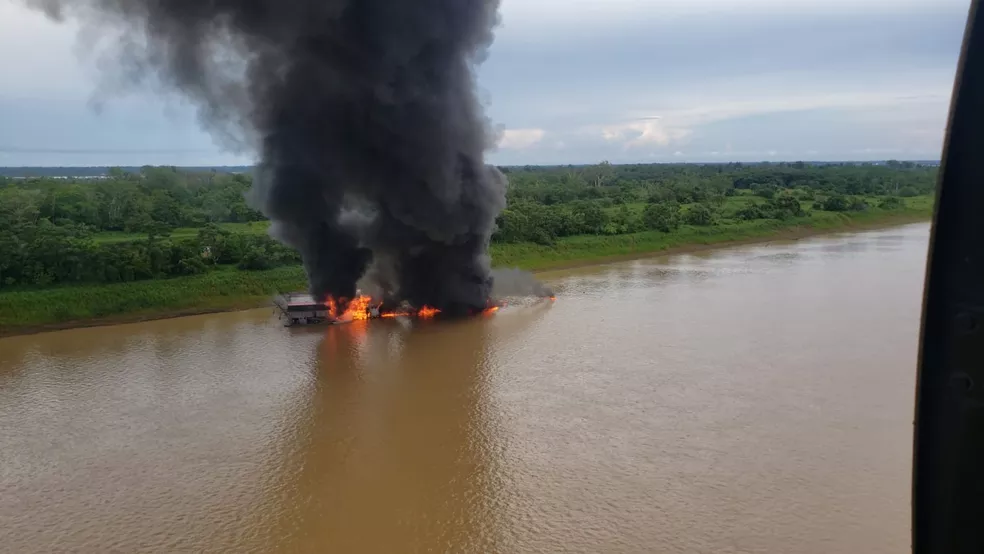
[{"x": 300, "y": 308}]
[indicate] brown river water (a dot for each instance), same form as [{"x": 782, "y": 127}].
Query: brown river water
[{"x": 755, "y": 399}]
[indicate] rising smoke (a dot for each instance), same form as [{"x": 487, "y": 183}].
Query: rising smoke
[{"x": 365, "y": 118}]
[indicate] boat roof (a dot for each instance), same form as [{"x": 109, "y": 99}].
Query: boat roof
[{"x": 299, "y": 299}]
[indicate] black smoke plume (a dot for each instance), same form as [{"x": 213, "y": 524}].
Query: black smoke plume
[{"x": 365, "y": 117}]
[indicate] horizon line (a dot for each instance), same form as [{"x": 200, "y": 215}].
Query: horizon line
[{"x": 579, "y": 164}]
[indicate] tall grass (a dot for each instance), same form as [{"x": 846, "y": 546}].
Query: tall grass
[{"x": 230, "y": 289}]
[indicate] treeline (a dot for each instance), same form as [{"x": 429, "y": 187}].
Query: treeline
[
  {"x": 51, "y": 229},
  {"x": 102, "y": 172},
  {"x": 686, "y": 183},
  {"x": 543, "y": 224},
  {"x": 43, "y": 254},
  {"x": 152, "y": 200},
  {"x": 550, "y": 203}
]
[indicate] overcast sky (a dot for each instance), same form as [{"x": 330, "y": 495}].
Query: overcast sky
[{"x": 578, "y": 81}]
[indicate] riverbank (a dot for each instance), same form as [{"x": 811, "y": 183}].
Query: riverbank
[
  {"x": 33, "y": 311},
  {"x": 594, "y": 250}
]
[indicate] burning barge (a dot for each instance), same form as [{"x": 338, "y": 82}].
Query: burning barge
[{"x": 297, "y": 308}]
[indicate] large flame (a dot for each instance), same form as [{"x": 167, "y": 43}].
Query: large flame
[
  {"x": 359, "y": 309},
  {"x": 362, "y": 307}
]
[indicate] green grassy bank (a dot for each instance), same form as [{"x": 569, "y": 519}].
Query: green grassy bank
[
  {"x": 27, "y": 311},
  {"x": 83, "y": 305}
]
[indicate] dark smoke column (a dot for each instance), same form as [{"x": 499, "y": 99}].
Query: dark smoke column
[{"x": 364, "y": 114}]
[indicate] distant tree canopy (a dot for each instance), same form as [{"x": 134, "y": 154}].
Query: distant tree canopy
[
  {"x": 137, "y": 202},
  {"x": 48, "y": 226},
  {"x": 104, "y": 171},
  {"x": 51, "y": 228},
  {"x": 688, "y": 183}
]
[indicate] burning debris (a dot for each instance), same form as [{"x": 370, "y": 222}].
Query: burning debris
[
  {"x": 301, "y": 308},
  {"x": 364, "y": 307},
  {"x": 364, "y": 116}
]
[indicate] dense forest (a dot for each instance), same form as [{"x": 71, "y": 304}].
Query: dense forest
[{"x": 156, "y": 222}]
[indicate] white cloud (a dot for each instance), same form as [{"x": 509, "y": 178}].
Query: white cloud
[
  {"x": 695, "y": 109},
  {"x": 517, "y": 139},
  {"x": 644, "y": 132}
]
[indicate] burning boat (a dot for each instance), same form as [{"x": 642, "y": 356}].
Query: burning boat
[
  {"x": 301, "y": 308},
  {"x": 297, "y": 308}
]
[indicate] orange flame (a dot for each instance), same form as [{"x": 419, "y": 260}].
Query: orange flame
[{"x": 358, "y": 309}]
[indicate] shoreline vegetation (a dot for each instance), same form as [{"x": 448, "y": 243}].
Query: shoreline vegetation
[
  {"x": 161, "y": 242},
  {"x": 36, "y": 311}
]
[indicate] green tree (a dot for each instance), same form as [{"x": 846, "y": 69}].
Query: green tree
[
  {"x": 699, "y": 214},
  {"x": 622, "y": 221},
  {"x": 765, "y": 191},
  {"x": 784, "y": 206},
  {"x": 512, "y": 226},
  {"x": 664, "y": 217},
  {"x": 858, "y": 204},
  {"x": 892, "y": 203},
  {"x": 836, "y": 203},
  {"x": 593, "y": 218},
  {"x": 751, "y": 212}
]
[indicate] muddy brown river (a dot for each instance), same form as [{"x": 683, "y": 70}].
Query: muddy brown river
[{"x": 755, "y": 399}]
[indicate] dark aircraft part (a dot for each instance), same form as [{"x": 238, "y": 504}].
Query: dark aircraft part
[{"x": 948, "y": 467}]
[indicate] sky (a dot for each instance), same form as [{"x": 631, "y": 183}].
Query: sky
[{"x": 572, "y": 82}]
